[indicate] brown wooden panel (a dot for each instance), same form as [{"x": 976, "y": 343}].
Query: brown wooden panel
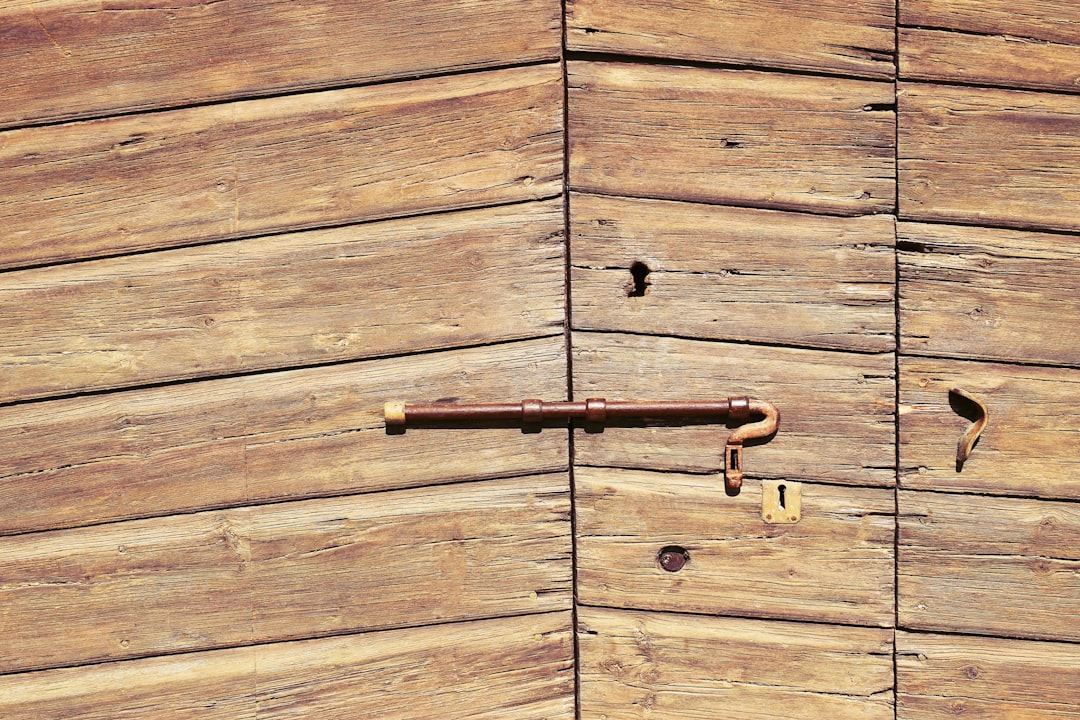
[
  {"x": 1031, "y": 445},
  {"x": 183, "y": 176},
  {"x": 945, "y": 56},
  {"x": 995, "y": 566},
  {"x": 70, "y": 58},
  {"x": 989, "y": 294},
  {"x": 823, "y": 35},
  {"x": 729, "y": 136},
  {"x": 285, "y": 571},
  {"x": 268, "y": 437},
  {"x": 835, "y": 565},
  {"x": 732, "y": 273},
  {"x": 991, "y": 157},
  {"x": 945, "y": 676},
  {"x": 639, "y": 665},
  {"x": 384, "y": 288},
  {"x": 480, "y": 669},
  {"x": 1046, "y": 20},
  {"x": 837, "y": 409}
]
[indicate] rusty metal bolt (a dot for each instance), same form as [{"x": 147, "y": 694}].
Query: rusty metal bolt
[{"x": 672, "y": 558}]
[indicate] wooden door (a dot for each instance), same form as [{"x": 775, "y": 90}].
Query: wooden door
[{"x": 231, "y": 231}]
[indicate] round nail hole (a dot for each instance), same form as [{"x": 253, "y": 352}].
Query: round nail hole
[{"x": 672, "y": 558}]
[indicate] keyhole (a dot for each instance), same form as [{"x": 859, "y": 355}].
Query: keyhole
[{"x": 782, "y": 489}]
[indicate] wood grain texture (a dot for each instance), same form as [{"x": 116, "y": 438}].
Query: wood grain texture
[
  {"x": 285, "y": 435},
  {"x": 643, "y": 665},
  {"x": 995, "y": 566},
  {"x": 72, "y": 58},
  {"x": 110, "y": 186},
  {"x": 482, "y": 669},
  {"x": 835, "y": 565},
  {"x": 828, "y": 36},
  {"x": 943, "y": 676},
  {"x": 989, "y": 294},
  {"x": 378, "y": 289},
  {"x": 285, "y": 571},
  {"x": 989, "y": 157},
  {"x": 837, "y": 409},
  {"x": 1031, "y": 445},
  {"x": 733, "y": 274},
  {"x": 944, "y": 56},
  {"x": 1047, "y": 20},
  {"x": 732, "y": 137}
]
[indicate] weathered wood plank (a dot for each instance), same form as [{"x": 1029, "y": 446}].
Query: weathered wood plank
[
  {"x": 996, "y": 566},
  {"x": 944, "y": 56},
  {"x": 989, "y": 157},
  {"x": 821, "y": 35},
  {"x": 285, "y": 571},
  {"x": 989, "y": 294},
  {"x": 72, "y": 58},
  {"x": 640, "y": 665},
  {"x": 479, "y": 669},
  {"x": 1047, "y": 20},
  {"x": 276, "y": 436},
  {"x": 1031, "y": 445},
  {"x": 837, "y": 409},
  {"x": 835, "y": 565},
  {"x": 735, "y": 137},
  {"x": 941, "y": 676},
  {"x": 733, "y": 273},
  {"x": 183, "y": 176},
  {"x": 392, "y": 287}
]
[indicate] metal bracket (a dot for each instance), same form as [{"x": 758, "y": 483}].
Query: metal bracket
[{"x": 597, "y": 411}]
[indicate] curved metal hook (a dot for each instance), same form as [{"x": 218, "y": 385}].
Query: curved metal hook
[
  {"x": 967, "y": 441},
  {"x": 733, "y": 465}
]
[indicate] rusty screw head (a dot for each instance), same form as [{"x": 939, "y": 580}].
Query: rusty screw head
[{"x": 672, "y": 558}]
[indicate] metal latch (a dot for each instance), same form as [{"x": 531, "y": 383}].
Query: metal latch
[{"x": 597, "y": 411}]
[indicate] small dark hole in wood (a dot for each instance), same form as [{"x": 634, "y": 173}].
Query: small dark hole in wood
[{"x": 639, "y": 271}]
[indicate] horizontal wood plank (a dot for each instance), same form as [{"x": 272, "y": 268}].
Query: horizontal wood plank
[
  {"x": 640, "y": 665},
  {"x": 989, "y": 294},
  {"x": 72, "y": 58},
  {"x": 834, "y": 565},
  {"x": 837, "y": 409},
  {"x": 105, "y": 187},
  {"x": 1031, "y": 444},
  {"x": 960, "y": 57},
  {"x": 995, "y": 566},
  {"x": 983, "y": 678},
  {"x": 378, "y": 289},
  {"x": 285, "y": 571},
  {"x": 480, "y": 669},
  {"x": 733, "y": 137},
  {"x": 732, "y": 273},
  {"x": 821, "y": 35},
  {"x": 989, "y": 157},
  {"x": 275, "y": 436},
  {"x": 1047, "y": 20}
]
